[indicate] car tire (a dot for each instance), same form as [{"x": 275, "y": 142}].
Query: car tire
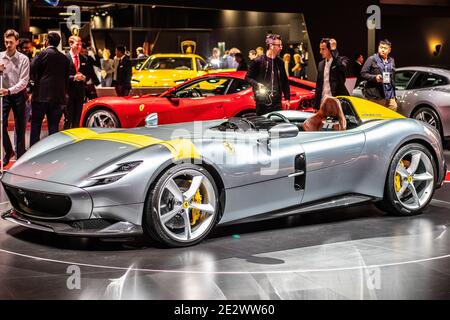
[
  {"x": 428, "y": 115},
  {"x": 182, "y": 207},
  {"x": 410, "y": 182},
  {"x": 102, "y": 118}
]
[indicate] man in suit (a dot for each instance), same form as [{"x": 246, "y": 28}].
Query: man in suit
[
  {"x": 331, "y": 72},
  {"x": 50, "y": 73},
  {"x": 91, "y": 77},
  {"x": 123, "y": 81},
  {"x": 77, "y": 82},
  {"x": 356, "y": 68}
]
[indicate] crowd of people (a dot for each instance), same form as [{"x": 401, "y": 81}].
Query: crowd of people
[
  {"x": 234, "y": 59},
  {"x": 52, "y": 84},
  {"x": 268, "y": 74}
]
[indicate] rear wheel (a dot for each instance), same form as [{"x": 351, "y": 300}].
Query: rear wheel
[
  {"x": 410, "y": 181},
  {"x": 429, "y": 116},
  {"x": 182, "y": 208},
  {"x": 102, "y": 118}
]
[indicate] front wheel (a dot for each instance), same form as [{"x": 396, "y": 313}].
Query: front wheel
[
  {"x": 102, "y": 118},
  {"x": 182, "y": 208},
  {"x": 410, "y": 181}
]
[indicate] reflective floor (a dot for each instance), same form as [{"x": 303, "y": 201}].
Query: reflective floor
[{"x": 356, "y": 253}]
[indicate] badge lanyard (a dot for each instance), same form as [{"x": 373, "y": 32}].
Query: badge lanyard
[{"x": 386, "y": 75}]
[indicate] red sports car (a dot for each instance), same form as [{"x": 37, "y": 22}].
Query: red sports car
[{"x": 208, "y": 97}]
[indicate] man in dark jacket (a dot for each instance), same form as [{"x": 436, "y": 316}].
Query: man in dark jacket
[
  {"x": 268, "y": 78},
  {"x": 356, "y": 68},
  {"x": 77, "y": 81},
  {"x": 378, "y": 71},
  {"x": 331, "y": 72},
  {"x": 91, "y": 78},
  {"x": 123, "y": 82},
  {"x": 50, "y": 73}
]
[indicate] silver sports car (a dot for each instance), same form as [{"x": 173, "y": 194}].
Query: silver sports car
[
  {"x": 423, "y": 93},
  {"x": 176, "y": 182}
]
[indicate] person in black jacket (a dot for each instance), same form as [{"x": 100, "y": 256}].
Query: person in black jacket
[
  {"x": 331, "y": 72},
  {"x": 239, "y": 58},
  {"x": 123, "y": 82},
  {"x": 356, "y": 68},
  {"x": 77, "y": 80},
  {"x": 91, "y": 78},
  {"x": 50, "y": 73},
  {"x": 268, "y": 78},
  {"x": 378, "y": 71}
]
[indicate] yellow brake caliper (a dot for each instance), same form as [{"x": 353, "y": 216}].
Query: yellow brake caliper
[
  {"x": 398, "y": 179},
  {"x": 196, "y": 212}
]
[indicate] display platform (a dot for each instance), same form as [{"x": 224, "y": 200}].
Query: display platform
[{"x": 356, "y": 253}]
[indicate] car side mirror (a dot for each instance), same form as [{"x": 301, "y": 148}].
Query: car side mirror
[
  {"x": 283, "y": 130},
  {"x": 138, "y": 66},
  {"x": 173, "y": 99}
]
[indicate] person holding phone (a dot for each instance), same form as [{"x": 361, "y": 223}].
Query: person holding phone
[
  {"x": 378, "y": 71},
  {"x": 268, "y": 78}
]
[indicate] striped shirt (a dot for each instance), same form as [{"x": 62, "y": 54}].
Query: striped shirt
[{"x": 17, "y": 71}]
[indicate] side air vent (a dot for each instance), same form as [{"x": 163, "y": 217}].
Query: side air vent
[{"x": 300, "y": 166}]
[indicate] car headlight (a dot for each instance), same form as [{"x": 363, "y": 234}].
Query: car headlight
[{"x": 121, "y": 170}]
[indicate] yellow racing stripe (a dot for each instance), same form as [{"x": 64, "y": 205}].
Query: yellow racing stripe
[
  {"x": 180, "y": 148},
  {"x": 368, "y": 110}
]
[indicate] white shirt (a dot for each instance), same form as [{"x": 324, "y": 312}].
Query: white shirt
[
  {"x": 326, "y": 91},
  {"x": 17, "y": 71}
]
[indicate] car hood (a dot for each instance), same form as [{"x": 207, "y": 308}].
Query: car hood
[
  {"x": 73, "y": 155},
  {"x": 161, "y": 78}
]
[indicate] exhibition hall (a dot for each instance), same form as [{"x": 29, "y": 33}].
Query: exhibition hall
[{"x": 244, "y": 151}]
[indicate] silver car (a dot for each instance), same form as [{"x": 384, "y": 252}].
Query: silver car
[
  {"x": 176, "y": 182},
  {"x": 423, "y": 93}
]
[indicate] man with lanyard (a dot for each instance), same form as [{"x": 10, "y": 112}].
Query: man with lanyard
[
  {"x": 268, "y": 78},
  {"x": 15, "y": 67},
  {"x": 378, "y": 71}
]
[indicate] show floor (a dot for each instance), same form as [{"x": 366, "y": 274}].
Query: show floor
[{"x": 356, "y": 253}]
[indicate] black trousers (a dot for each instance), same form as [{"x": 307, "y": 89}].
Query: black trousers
[
  {"x": 264, "y": 107},
  {"x": 16, "y": 102},
  {"x": 72, "y": 114},
  {"x": 123, "y": 90},
  {"x": 53, "y": 113}
]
